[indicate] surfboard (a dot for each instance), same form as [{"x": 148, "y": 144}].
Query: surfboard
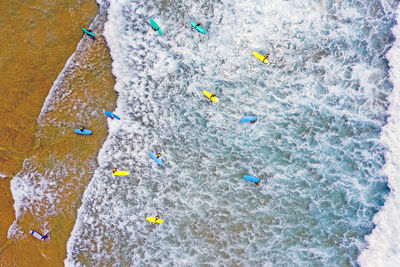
[
  {"x": 248, "y": 119},
  {"x": 153, "y": 220},
  {"x": 111, "y": 115},
  {"x": 37, "y": 235},
  {"x": 251, "y": 178},
  {"x": 158, "y": 160},
  {"x": 155, "y": 26},
  {"x": 260, "y": 57},
  {"x": 88, "y": 32},
  {"x": 208, "y": 95},
  {"x": 199, "y": 28},
  {"x": 84, "y": 132},
  {"x": 121, "y": 173}
]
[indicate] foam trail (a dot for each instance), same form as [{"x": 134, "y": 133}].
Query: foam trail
[
  {"x": 57, "y": 91},
  {"x": 384, "y": 241}
]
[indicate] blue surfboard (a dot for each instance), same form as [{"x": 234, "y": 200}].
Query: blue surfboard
[
  {"x": 248, "y": 119},
  {"x": 158, "y": 160},
  {"x": 111, "y": 115},
  {"x": 84, "y": 132},
  {"x": 251, "y": 178}
]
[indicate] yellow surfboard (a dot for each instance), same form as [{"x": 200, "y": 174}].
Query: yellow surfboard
[
  {"x": 260, "y": 57},
  {"x": 208, "y": 95},
  {"x": 121, "y": 173},
  {"x": 153, "y": 220}
]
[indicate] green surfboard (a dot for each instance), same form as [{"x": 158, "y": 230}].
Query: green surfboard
[
  {"x": 155, "y": 26},
  {"x": 200, "y": 29},
  {"x": 88, "y": 32}
]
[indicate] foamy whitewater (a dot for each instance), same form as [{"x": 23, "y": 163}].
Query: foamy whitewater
[
  {"x": 317, "y": 146},
  {"x": 384, "y": 242}
]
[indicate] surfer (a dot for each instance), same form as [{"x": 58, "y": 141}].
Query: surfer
[
  {"x": 89, "y": 32},
  {"x": 154, "y": 29},
  {"x": 198, "y": 24},
  {"x": 253, "y": 121},
  {"x": 212, "y": 95},
  {"x": 257, "y": 183},
  {"x": 114, "y": 170},
  {"x": 156, "y": 218},
  {"x": 158, "y": 155},
  {"x": 265, "y": 57},
  {"x": 45, "y": 236},
  {"x": 82, "y": 128}
]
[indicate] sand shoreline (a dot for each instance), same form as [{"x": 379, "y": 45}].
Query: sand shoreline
[{"x": 51, "y": 141}]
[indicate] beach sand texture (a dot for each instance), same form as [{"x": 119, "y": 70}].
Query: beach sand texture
[{"x": 37, "y": 39}]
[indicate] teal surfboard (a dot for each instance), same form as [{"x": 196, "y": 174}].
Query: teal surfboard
[
  {"x": 155, "y": 26},
  {"x": 199, "y": 28},
  {"x": 88, "y": 32}
]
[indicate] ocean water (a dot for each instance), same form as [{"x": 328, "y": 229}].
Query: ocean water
[{"x": 317, "y": 146}]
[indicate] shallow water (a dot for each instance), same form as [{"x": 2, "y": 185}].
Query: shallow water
[{"x": 321, "y": 104}]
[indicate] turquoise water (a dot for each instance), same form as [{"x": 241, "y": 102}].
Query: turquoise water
[{"x": 321, "y": 103}]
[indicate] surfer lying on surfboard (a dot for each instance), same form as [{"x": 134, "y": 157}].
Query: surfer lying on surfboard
[
  {"x": 158, "y": 156},
  {"x": 114, "y": 170},
  {"x": 265, "y": 57},
  {"x": 212, "y": 96}
]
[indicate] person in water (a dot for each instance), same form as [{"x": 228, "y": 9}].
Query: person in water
[
  {"x": 253, "y": 121},
  {"x": 158, "y": 155},
  {"x": 45, "y": 236},
  {"x": 114, "y": 170},
  {"x": 154, "y": 29},
  {"x": 198, "y": 24},
  {"x": 82, "y": 128},
  {"x": 265, "y": 57}
]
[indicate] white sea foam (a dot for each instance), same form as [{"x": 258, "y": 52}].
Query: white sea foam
[
  {"x": 384, "y": 242},
  {"x": 34, "y": 192}
]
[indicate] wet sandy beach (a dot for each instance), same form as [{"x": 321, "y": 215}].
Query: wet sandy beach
[{"x": 37, "y": 39}]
